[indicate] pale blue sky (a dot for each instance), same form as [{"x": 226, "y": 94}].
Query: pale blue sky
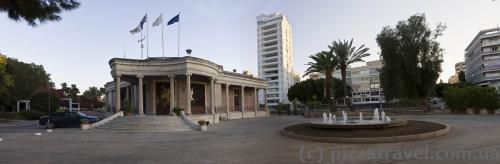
[{"x": 78, "y": 48}]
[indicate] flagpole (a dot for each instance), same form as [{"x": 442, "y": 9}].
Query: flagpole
[
  {"x": 179, "y": 36},
  {"x": 147, "y": 37},
  {"x": 124, "y": 47},
  {"x": 162, "y": 42},
  {"x": 142, "y": 47}
]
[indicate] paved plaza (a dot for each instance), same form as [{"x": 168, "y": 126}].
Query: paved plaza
[{"x": 248, "y": 141}]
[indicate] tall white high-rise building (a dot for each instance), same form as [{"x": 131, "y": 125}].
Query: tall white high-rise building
[{"x": 275, "y": 56}]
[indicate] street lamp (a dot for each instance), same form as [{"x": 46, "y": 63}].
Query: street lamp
[{"x": 188, "y": 51}]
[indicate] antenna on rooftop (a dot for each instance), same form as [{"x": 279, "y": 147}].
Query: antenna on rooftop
[{"x": 124, "y": 52}]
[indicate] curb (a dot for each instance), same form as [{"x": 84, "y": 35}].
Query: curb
[{"x": 374, "y": 140}]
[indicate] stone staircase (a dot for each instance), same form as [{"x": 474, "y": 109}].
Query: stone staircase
[{"x": 145, "y": 124}]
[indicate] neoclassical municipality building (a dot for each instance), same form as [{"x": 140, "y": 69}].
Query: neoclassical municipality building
[{"x": 155, "y": 86}]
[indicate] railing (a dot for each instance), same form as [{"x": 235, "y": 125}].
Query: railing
[
  {"x": 102, "y": 122},
  {"x": 190, "y": 123}
]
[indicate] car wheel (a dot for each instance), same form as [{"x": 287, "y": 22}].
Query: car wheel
[{"x": 50, "y": 125}]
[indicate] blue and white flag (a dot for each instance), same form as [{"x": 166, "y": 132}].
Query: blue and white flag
[
  {"x": 140, "y": 26},
  {"x": 173, "y": 20},
  {"x": 158, "y": 20}
]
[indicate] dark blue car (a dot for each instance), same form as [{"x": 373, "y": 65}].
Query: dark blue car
[{"x": 66, "y": 119}]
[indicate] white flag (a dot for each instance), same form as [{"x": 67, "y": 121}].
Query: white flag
[
  {"x": 136, "y": 30},
  {"x": 158, "y": 20}
]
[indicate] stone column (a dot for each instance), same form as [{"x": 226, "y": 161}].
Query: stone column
[
  {"x": 140, "y": 96},
  {"x": 212, "y": 96},
  {"x": 172, "y": 94},
  {"x": 227, "y": 101},
  {"x": 188, "y": 93},
  {"x": 256, "y": 99},
  {"x": 127, "y": 94},
  {"x": 71, "y": 105},
  {"x": 265, "y": 100},
  {"x": 106, "y": 100},
  {"x": 242, "y": 101},
  {"x": 117, "y": 94}
]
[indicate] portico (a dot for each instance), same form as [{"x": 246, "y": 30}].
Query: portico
[{"x": 155, "y": 86}]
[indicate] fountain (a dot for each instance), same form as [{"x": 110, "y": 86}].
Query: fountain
[
  {"x": 360, "y": 117},
  {"x": 344, "y": 115},
  {"x": 376, "y": 116},
  {"x": 379, "y": 120},
  {"x": 378, "y": 128},
  {"x": 324, "y": 117}
]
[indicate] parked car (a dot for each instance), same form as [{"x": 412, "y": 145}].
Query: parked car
[{"x": 66, "y": 119}]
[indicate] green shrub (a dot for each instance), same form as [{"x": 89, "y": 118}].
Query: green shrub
[
  {"x": 177, "y": 111},
  {"x": 283, "y": 108},
  {"x": 127, "y": 108},
  {"x": 475, "y": 97},
  {"x": 32, "y": 114}
]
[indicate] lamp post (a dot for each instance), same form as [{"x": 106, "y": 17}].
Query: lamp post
[{"x": 188, "y": 51}]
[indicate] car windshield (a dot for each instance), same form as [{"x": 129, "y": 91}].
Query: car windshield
[{"x": 81, "y": 114}]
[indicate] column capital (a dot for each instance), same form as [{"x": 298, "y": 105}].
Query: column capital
[
  {"x": 117, "y": 75},
  {"x": 171, "y": 76},
  {"x": 189, "y": 74},
  {"x": 243, "y": 86},
  {"x": 140, "y": 76}
]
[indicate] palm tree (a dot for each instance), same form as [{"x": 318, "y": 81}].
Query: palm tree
[
  {"x": 347, "y": 54},
  {"x": 325, "y": 62}
]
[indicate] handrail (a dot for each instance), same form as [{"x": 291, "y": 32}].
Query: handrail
[
  {"x": 189, "y": 122},
  {"x": 102, "y": 122}
]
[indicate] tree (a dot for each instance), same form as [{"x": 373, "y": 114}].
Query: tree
[
  {"x": 461, "y": 77},
  {"x": 347, "y": 54},
  {"x": 325, "y": 62},
  {"x": 27, "y": 78},
  {"x": 40, "y": 100},
  {"x": 305, "y": 91},
  {"x": 66, "y": 90},
  {"x": 36, "y": 12},
  {"x": 73, "y": 92},
  {"x": 412, "y": 59},
  {"x": 93, "y": 95},
  {"x": 5, "y": 81},
  {"x": 440, "y": 88}
]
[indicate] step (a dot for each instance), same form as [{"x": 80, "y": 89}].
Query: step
[{"x": 146, "y": 124}]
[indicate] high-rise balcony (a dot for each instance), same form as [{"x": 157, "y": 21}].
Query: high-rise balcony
[
  {"x": 270, "y": 48},
  {"x": 270, "y": 53}
]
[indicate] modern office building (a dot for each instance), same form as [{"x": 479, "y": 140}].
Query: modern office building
[
  {"x": 482, "y": 58},
  {"x": 365, "y": 83},
  {"x": 459, "y": 67},
  {"x": 275, "y": 56}
]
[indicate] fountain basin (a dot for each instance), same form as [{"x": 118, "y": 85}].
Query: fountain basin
[
  {"x": 414, "y": 130},
  {"x": 351, "y": 124}
]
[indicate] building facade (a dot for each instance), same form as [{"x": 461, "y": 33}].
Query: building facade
[
  {"x": 459, "y": 67},
  {"x": 365, "y": 83},
  {"x": 482, "y": 58},
  {"x": 275, "y": 56},
  {"x": 155, "y": 86}
]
